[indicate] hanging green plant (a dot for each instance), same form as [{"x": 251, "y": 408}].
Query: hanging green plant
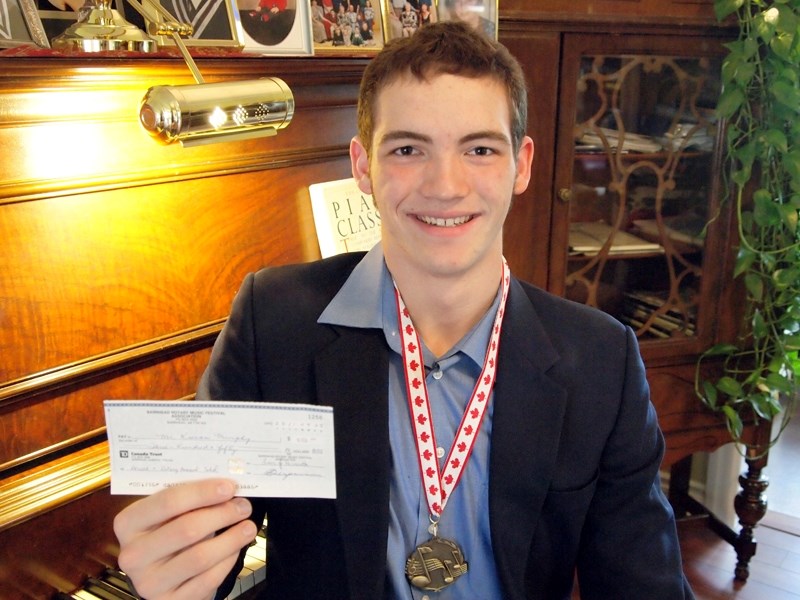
[{"x": 760, "y": 103}]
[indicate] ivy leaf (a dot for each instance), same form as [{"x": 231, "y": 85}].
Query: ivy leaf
[
  {"x": 754, "y": 285},
  {"x": 709, "y": 394},
  {"x": 765, "y": 212},
  {"x": 776, "y": 139},
  {"x": 744, "y": 260},
  {"x": 725, "y": 8},
  {"x": 729, "y": 101},
  {"x": 791, "y": 162},
  {"x": 789, "y": 216},
  {"x": 730, "y": 387},
  {"x": 785, "y": 93},
  {"x": 759, "y": 326},
  {"x": 720, "y": 349},
  {"x": 734, "y": 421}
]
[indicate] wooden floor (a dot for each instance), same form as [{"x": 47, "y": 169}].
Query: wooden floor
[{"x": 709, "y": 563}]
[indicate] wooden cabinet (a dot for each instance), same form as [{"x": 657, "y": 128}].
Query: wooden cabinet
[{"x": 631, "y": 191}]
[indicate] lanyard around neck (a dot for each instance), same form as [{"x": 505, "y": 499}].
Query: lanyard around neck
[{"x": 439, "y": 483}]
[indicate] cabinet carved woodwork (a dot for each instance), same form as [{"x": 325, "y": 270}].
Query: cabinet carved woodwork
[{"x": 120, "y": 257}]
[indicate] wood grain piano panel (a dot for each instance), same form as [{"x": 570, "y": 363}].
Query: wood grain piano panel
[{"x": 119, "y": 259}]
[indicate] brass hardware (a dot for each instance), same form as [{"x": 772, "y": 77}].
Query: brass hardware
[{"x": 565, "y": 194}]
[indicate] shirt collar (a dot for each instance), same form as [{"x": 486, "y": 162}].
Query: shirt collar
[{"x": 366, "y": 300}]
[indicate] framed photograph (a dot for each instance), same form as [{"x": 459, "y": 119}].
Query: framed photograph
[
  {"x": 405, "y": 17},
  {"x": 481, "y": 14},
  {"x": 20, "y": 24},
  {"x": 214, "y": 22},
  {"x": 58, "y": 15},
  {"x": 347, "y": 26},
  {"x": 276, "y": 27}
]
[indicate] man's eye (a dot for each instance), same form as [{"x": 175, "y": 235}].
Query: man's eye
[
  {"x": 482, "y": 151},
  {"x": 404, "y": 151}
]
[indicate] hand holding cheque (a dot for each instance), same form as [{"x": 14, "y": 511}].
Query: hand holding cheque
[{"x": 168, "y": 449}]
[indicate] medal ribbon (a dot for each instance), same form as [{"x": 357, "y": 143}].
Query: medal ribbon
[{"x": 439, "y": 484}]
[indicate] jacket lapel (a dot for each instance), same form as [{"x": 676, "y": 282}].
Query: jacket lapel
[
  {"x": 352, "y": 377},
  {"x": 526, "y": 425}
]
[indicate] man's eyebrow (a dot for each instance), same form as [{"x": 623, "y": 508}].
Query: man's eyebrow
[
  {"x": 489, "y": 134},
  {"x": 402, "y": 134}
]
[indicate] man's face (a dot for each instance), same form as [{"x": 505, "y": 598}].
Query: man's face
[{"x": 442, "y": 172}]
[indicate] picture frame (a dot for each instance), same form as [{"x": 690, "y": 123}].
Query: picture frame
[
  {"x": 330, "y": 20},
  {"x": 481, "y": 14},
  {"x": 404, "y": 17},
  {"x": 20, "y": 24},
  {"x": 215, "y": 23},
  {"x": 58, "y": 15},
  {"x": 276, "y": 27}
]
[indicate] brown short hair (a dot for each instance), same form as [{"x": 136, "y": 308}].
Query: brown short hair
[{"x": 444, "y": 47}]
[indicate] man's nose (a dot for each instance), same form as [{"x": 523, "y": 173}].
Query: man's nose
[{"x": 445, "y": 178}]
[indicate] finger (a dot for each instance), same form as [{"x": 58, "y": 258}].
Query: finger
[
  {"x": 156, "y": 546},
  {"x": 151, "y": 511},
  {"x": 199, "y": 570}
]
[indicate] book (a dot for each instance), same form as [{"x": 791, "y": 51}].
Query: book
[
  {"x": 589, "y": 237},
  {"x": 345, "y": 218}
]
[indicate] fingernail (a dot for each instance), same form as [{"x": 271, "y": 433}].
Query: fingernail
[
  {"x": 249, "y": 530},
  {"x": 226, "y": 488},
  {"x": 242, "y": 506}
]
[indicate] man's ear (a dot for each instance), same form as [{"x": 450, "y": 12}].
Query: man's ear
[
  {"x": 359, "y": 163},
  {"x": 524, "y": 161}
]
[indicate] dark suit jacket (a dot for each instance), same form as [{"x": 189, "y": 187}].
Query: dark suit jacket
[{"x": 575, "y": 445}]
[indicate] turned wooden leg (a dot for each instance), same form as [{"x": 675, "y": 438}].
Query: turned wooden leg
[{"x": 750, "y": 503}]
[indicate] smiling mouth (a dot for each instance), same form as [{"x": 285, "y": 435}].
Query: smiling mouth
[{"x": 439, "y": 222}]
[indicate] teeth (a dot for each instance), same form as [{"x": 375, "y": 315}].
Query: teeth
[{"x": 438, "y": 222}]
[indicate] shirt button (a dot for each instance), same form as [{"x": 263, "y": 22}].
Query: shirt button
[
  {"x": 439, "y": 452},
  {"x": 426, "y": 598},
  {"x": 437, "y": 373}
]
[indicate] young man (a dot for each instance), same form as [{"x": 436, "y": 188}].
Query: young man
[{"x": 530, "y": 452}]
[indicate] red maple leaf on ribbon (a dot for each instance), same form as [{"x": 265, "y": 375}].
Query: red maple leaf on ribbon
[
  {"x": 487, "y": 380},
  {"x": 424, "y": 437},
  {"x": 491, "y": 362},
  {"x": 494, "y": 344},
  {"x": 436, "y": 508},
  {"x": 427, "y": 456},
  {"x": 405, "y": 312},
  {"x": 474, "y": 413},
  {"x": 468, "y": 429},
  {"x": 409, "y": 329},
  {"x": 412, "y": 347},
  {"x": 433, "y": 489},
  {"x": 448, "y": 480},
  {"x": 413, "y": 365},
  {"x": 421, "y": 419},
  {"x": 481, "y": 396},
  {"x": 454, "y": 463},
  {"x": 419, "y": 401},
  {"x": 462, "y": 447},
  {"x": 416, "y": 383},
  {"x": 430, "y": 472}
]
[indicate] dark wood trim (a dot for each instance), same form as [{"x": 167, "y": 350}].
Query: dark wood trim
[{"x": 155, "y": 350}]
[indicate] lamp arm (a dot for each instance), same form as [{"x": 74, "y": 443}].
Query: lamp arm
[{"x": 172, "y": 27}]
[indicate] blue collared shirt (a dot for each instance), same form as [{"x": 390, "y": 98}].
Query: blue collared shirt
[{"x": 367, "y": 301}]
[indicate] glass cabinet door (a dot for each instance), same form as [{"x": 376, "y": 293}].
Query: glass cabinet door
[{"x": 636, "y": 187}]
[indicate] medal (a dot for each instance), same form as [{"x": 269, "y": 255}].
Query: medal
[
  {"x": 435, "y": 564},
  {"x": 438, "y": 562}
]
